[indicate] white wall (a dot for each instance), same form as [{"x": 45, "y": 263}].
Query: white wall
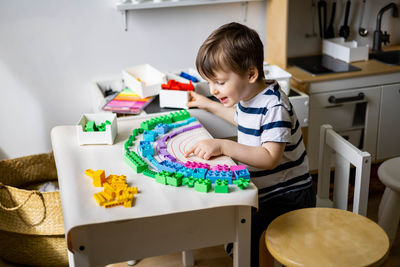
[
  {"x": 51, "y": 50},
  {"x": 301, "y": 22}
]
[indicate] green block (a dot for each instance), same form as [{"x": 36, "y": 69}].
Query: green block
[
  {"x": 135, "y": 161},
  {"x": 202, "y": 185},
  {"x": 175, "y": 179},
  {"x": 161, "y": 177},
  {"x": 242, "y": 183},
  {"x": 90, "y": 126},
  {"x": 189, "y": 181},
  {"x": 150, "y": 173},
  {"x": 221, "y": 186}
]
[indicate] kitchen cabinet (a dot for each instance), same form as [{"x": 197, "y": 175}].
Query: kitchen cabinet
[
  {"x": 367, "y": 120},
  {"x": 389, "y": 122}
]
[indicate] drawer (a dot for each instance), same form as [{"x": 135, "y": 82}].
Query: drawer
[{"x": 300, "y": 102}]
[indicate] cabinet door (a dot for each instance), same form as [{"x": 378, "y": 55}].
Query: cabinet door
[
  {"x": 389, "y": 122},
  {"x": 353, "y": 118}
]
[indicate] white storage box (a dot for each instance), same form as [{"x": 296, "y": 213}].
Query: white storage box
[
  {"x": 300, "y": 102},
  {"x": 144, "y": 80},
  {"x": 273, "y": 72},
  {"x": 346, "y": 51},
  {"x": 173, "y": 99},
  {"x": 98, "y": 137}
]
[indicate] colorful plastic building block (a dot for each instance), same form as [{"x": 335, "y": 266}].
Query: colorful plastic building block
[
  {"x": 189, "y": 181},
  {"x": 219, "y": 167},
  {"x": 135, "y": 161},
  {"x": 146, "y": 148},
  {"x": 175, "y": 179},
  {"x": 189, "y": 77},
  {"x": 242, "y": 183},
  {"x": 98, "y": 177},
  {"x": 242, "y": 174},
  {"x": 161, "y": 128},
  {"x": 149, "y": 136},
  {"x": 215, "y": 175},
  {"x": 175, "y": 85},
  {"x": 161, "y": 177},
  {"x": 199, "y": 173},
  {"x": 221, "y": 186},
  {"x": 187, "y": 172},
  {"x": 150, "y": 173},
  {"x": 202, "y": 185},
  {"x": 90, "y": 126}
]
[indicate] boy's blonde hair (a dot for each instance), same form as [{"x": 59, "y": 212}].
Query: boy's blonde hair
[{"x": 233, "y": 47}]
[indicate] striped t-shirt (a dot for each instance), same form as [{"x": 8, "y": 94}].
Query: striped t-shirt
[{"x": 269, "y": 116}]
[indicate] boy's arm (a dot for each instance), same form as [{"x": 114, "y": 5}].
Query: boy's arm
[
  {"x": 218, "y": 109},
  {"x": 265, "y": 157}
]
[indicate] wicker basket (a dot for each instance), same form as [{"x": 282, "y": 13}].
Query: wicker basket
[{"x": 31, "y": 222}]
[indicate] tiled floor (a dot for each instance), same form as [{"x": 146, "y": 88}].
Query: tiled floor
[{"x": 216, "y": 257}]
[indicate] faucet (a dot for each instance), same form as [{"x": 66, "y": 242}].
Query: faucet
[{"x": 380, "y": 37}]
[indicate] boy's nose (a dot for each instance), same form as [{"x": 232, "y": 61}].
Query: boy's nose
[{"x": 213, "y": 91}]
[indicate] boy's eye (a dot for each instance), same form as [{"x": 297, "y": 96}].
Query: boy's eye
[{"x": 220, "y": 83}]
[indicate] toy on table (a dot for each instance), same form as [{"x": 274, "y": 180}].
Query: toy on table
[
  {"x": 151, "y": 157},
  {"x": 175, "y": 94},
  {"x": 127, "y": 101},
  {"x": 116, "y": 191},
  {"x": 97, "y": 128}
]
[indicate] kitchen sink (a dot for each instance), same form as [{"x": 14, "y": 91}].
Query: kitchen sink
[{"x": 387, "y": 57}]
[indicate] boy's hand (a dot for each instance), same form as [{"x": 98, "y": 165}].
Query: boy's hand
[
  {"x": 206, "y": 149},
  {"x": 198, "y": 101}
]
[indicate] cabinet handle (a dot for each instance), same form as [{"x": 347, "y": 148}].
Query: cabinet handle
[{"x": 333, "y": 100}]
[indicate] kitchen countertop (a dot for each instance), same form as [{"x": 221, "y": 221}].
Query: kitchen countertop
[{"x": 301, "y": 79}]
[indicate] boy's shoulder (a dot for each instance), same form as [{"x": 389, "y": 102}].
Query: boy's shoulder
[{"x": 273, "y": 96}]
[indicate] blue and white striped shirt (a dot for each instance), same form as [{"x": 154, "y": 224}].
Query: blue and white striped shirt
[{"x": 269, "y": 117}]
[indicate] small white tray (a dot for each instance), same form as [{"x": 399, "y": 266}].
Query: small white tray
[
  {"x": 90, "y": 138},
  {"x": 273, "y": 72},
  {"x": 346, "y": 51},
  {"x": 145, "y": 80}
]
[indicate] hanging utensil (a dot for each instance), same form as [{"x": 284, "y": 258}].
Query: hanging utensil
[
  {"x": 362, "y": 31},
  {"x": 313, "y": 10},
  {"x": 322, "y": 17},
  {"x": 345, "y": 30},
  {"x": 330, "y": 33}
]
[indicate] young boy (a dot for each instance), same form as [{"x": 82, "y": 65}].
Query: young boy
[{"x": 270, "y": 142}]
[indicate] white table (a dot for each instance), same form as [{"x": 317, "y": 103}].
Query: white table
[{"x": 164, "y": 219}]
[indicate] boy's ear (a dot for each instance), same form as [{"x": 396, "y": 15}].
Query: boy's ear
[{"x": 253, "y": 74}]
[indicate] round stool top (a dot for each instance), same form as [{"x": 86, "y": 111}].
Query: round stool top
[
  {"x": 326, "y": 237},
  {"x": 389, "y": 173}
]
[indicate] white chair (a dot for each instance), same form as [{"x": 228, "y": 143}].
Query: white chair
[
  {"x": 332, "y": 144},
  {"x": 389, "y": 207}
]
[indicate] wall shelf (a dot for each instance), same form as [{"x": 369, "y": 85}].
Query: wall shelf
[{"x": 137, "y": 5}]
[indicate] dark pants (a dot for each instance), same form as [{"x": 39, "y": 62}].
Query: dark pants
[{"x": 271, "y": 209}]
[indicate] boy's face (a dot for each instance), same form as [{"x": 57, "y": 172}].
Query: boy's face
[{"x": 229, "y": 87}]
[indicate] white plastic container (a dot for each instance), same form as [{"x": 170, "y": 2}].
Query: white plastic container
[
  {"x": 90, "y": 138},
  {"x": 145, "y": 80},
  {"x": 173, "y": 99},
  {"x": 283, "y": 77},
  {"x": 346, "y": 51}
]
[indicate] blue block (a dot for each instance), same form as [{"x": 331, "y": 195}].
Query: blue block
[
  {"x": 187, "y": 172},
  {"x": 149, "y": 135},
  {"x": 222, "y": 175},
  {"x": 242, "y": 174},
  {"x": 199, "y": 173},
  {"x": 161, "y": 128},
  {"x": 170, "y": 166}
]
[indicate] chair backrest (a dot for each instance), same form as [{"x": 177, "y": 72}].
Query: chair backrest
[{"x": 333, "y": 145}]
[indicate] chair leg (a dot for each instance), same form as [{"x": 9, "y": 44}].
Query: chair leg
[
  {"x": 389, "y": 213},
  {"x": 187, "y": 258}
]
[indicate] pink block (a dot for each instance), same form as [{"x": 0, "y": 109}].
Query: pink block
[
  {"x": 219, "y": 167},
  {"x": 237, "y": 167}
]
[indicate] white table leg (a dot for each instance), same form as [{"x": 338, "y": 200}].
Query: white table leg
[
  {"x": 241, "y": 252},
  {"x": 187, "y": 258}
]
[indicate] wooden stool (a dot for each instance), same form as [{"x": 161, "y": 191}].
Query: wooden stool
[
  {"x": 389, "y": 207},
  {"x": 326, "y": 237}
]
